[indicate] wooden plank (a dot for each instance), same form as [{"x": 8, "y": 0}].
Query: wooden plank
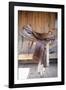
[{"x": 25, "y": 57}]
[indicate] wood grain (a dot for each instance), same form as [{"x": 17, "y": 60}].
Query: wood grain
[{"x": 41, "y": 22}]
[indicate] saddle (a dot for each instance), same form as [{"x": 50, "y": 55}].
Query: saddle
[{"x": 33, "y": 36}]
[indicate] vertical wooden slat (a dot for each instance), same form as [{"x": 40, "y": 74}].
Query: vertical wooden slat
[
  {"x": 19, "y": 19},
  {"x": 52, "y": 20},
  {"x": 30, "y": 18},
  {"x": 40, "y": 22},
  {"x": 43, "y": 22},
  {"x": 46, "y": 23},
  {"x": 34, "y": 21},
  {"x": 24, "y": 18}
]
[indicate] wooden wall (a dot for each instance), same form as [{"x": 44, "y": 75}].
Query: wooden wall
[{"x": 40, "y": 21}]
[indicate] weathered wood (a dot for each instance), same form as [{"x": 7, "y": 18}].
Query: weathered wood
[{"x": 41, "y": 22}]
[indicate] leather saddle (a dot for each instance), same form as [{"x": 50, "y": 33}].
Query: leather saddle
[{"x": 29, "y": 34}]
